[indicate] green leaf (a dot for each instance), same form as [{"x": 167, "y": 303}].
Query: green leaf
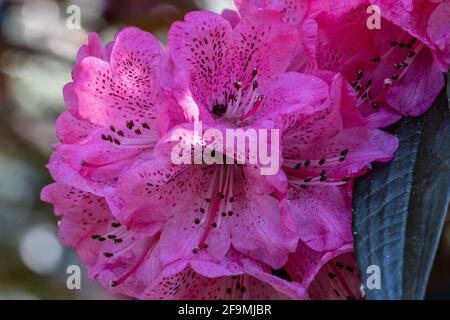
[{"x": 400, "y": 207}]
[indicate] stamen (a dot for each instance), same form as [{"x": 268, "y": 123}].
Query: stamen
[{"x": 126, "y": 275}]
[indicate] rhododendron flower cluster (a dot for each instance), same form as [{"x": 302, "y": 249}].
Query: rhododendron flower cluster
[{"x": 149, "y": 228}]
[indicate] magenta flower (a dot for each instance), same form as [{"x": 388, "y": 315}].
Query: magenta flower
[
  {"x": 391, "y": 69},
  {"x": 209, "y": 208},
  {"x": 149, "y": 228},
  {"x": 116, "y": 110},
  {"x": 128, "y": 263},
  {"x": 326, "y": 143}
]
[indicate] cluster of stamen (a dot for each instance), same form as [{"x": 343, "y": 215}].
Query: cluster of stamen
[
  {"x": 121, "y": 237},
  {"x": 217, "y": 205},
  {"x": 293, "y": 169},
  {"x": 363, "y": 84},
  {"x": 242, "y": 102},
  {"x": 131, "y": 135}
]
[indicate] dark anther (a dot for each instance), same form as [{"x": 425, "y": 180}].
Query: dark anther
[
  {"x": 112, "y": 128},
  {"x": 237, "y": 84},
  {"x": 120, "y": 133},
  {"x": 108, "y": 254},
  {"x": 369, "y": 83},
  {"x": 360, "y": 74},
  {"x": 307, "y": 180},
  {"x": 95, "y": 236},
  {"x": 344, "y": 152},
  {"x": 255, "y": 85},
  {"x": 307, "y": 163},
  {"x": 219, "y": 109},
  {"x": 195, "y": 250},
  {"x": 254, "y": 72},
  {"x": 376, "y": 59},
  {"x": 197, "y": 221},
  {"x": 298, "y": 166},
  {"x": 214, "y": 225},
  {"x": 111, "y": 236},
  {"x": 231, "y": 199},
  {"x": 130, "y": 124},
  {"x": 205, "y": 245},
  {"x": 221, "y": 195},
  {"x": 104, "y": 137},
  {"x": 402, "y": 45},
  {"x": 83, "y": 162},
  {"x": 145, "y": 126},
  {"x": 322, "y": 161},
  {"x": 115, "y": 224}
]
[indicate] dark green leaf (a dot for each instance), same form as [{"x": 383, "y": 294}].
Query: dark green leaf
[{"x": 399, "y": 208}]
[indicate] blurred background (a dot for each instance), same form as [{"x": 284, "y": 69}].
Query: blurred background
[{"x": 38, "y": 43}]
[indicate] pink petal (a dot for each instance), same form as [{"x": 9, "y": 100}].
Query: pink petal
[
  {"x": 360, "y": 145},
  {"x": 417, "y": 90},
  {"x": 337, "y": 280},
  {"x": 94, "y": 48},
  {"x": 127, "y": 88},
  {"x": 305, "y": 264},
  {"x": 70, "y": 129},
  {"x": 214, "y": 55},
  {"x": 322, "y": 225},
  {"x": 61, "y": 171}
]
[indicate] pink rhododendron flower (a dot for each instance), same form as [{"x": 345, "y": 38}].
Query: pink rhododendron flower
[
  {"x": 116, "y": 110},
  {"x": 325, "y": 143},
  {"x": 391, "y": 69},
  {"x": 128, "y": 263},
  {"x": 228, "y": 72},
  {"x": 150, "y": 228}
]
